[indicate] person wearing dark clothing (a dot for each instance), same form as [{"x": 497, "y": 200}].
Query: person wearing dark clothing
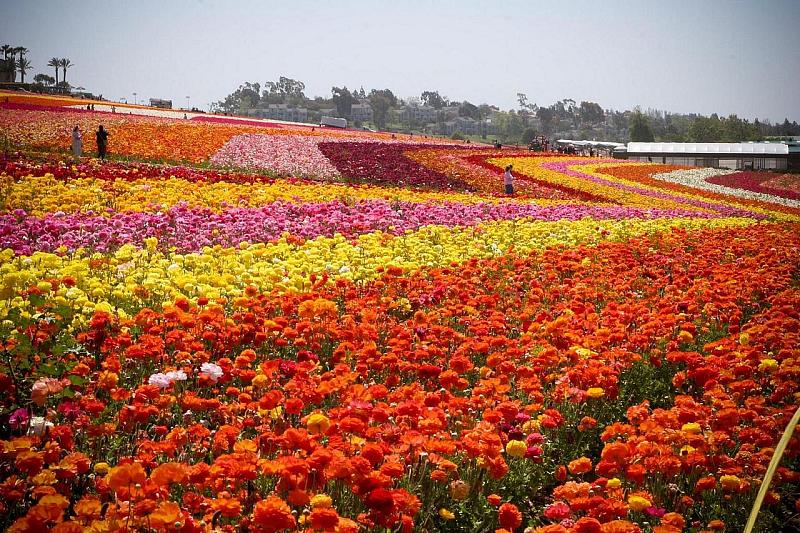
[{"x": 102, "y": 142}]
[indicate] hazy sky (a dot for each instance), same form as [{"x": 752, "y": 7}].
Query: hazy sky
[{"x": 688, "y": 56}]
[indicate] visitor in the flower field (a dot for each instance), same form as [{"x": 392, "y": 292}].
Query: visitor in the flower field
[
  {"x": 508, "y": 180},
  {"x": 77, "y": 142},
  {"x": 102, "y": 142}
]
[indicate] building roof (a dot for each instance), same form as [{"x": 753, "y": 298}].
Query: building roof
[{"x": 708, "y": 148}]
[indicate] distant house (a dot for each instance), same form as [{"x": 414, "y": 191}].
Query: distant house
[
  {"x": 282, "y": 112},
  {"x": 449, "y": 112},
  {"x": 413, "y": 113},
  {"x": 159, "y": 102},
  {"x": 361, "y": 113},
  {"x": 465, "y": 125}
]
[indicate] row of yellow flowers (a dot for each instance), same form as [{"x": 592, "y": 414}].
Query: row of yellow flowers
[
  {"x": 46, "y": 194},
  {"x": 131, "y": 278}
]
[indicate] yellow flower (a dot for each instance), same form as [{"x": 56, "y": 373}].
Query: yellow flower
[
  {"x": 516, "y": 448},
  {"x": 767, "y": 365},
  {"x": 447, "y": 515},
  {"x": 321, "y": 501},
  {"x": 260, "y": 381},
  {"x": 595, "y": 393},
  {"x": 613, "y": 483},
  {"x": 530, "y": 426},
  {"x": 744, "y": 339},
  {"x": 638, "y": 503},
  {"x": 731, "y": 483},
  {"x": 317, "y": 423},
  {"x": 101, "y": 469},
  {"x": 691, "y": 427}
]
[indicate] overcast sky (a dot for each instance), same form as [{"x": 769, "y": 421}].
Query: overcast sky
[{"x": 704, "y": 56}]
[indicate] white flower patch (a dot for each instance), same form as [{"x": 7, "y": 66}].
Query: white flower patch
[{"x": 696, "y": 178}]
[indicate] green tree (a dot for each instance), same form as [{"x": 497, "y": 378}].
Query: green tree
[
  {"x": 467, "y": 109},
  {"x": 546, "y": 116},
  {"x": 640, "y": 127},
  {"x": 591, "y": 113},
  {"x": 705, "y": 130},
  {"x": 65, "y": 63},
  {"x": 381, "y": 101},
  {"x": 247, "y": 96},
  {"x": 55, "y": 63},
  {"x": 44, "y": 79},
  {"x": 285, "y": 90},
  {"x": 343, "y": 100},
  {"x": 433, "y": 99},
  {"x": 528, "y": 135},
  {"x": 23, "y": 65}
]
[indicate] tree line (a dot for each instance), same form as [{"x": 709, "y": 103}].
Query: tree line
[
  {"x": 14, "y": 61},
  {"x": 565, "y": 118}
]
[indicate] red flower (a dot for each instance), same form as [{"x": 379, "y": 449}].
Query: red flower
[{"x": 509, "y": 516}]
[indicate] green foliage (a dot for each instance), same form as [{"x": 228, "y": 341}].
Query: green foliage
[
  {"x": 343, "y": 100},
  {"x": 381, "y": 101},
  {"x": 467, "y": 109},
  {"x": 640, "y": 127},
  {"x": 591, "y": 113},
  {"x": 433, "y": 99},
  {"x": 528, "y": 135}
]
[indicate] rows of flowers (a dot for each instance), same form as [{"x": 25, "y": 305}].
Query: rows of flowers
[
  {"x": 191, "y": 229},
  {"x": 646, "y": 175},
  {"x": 350, "y": 332},
  {"x": 504, "y": 393},
  {"x": 783, "y": 185},
  {"x": 700, "y": 178}
]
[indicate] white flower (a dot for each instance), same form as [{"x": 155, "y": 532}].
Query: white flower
[
  {"x": 162, "y": 381},
  {"x": 39, "y": 426},
  {"x": 211, "y": 370},
  {"x": 176, "y": 375}
]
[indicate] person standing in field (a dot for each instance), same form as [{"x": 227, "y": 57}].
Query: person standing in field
[
  {"x": 508, "y": 180},
  {"x": 77, "y": 142},
  {"x": 102, "y": 142}
]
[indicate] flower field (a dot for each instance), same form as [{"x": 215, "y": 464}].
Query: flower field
[{"x": 275, "y": 328}]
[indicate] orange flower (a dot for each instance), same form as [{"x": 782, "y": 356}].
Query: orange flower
[
  {"x": 123, "y": 476},
  {"x": 88, "y": 508},
  {"x": 324, "y": 519},
  {"x": 272, "y": 514},
  {"x": 228, "y": 507},
  {"x": 509, "y": 516},
  {"x": 168, "y": 515},
  {"x": 167, "y": 473},
  {"x": 580, "y": 466},
  {"x": 49, "y": 509}
]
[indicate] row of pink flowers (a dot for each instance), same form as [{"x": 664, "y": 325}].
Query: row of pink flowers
[
  {"x": 190, "y": 229},
  {"x": 759, "y": 182}
]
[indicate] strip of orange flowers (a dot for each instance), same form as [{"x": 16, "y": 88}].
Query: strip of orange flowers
[{"x": 605, "y": 388}]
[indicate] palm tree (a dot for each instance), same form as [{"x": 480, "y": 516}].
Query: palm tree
[
  {"x": 65, "y": 63},
  {"x": 6, "y": 49},
  {"x": 23, "y": 65},
  {"x": 54, "y": 62},
  {"x": 21, "y": 50}
]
